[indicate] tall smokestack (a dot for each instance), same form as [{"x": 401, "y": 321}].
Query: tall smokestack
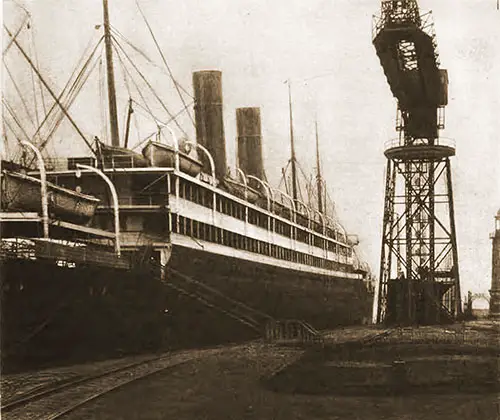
[
  {"x": 250, "y": 142},
  {"x": 207, "y": 87}
]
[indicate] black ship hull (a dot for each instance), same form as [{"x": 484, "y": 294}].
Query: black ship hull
[
  {"x": 54, "y": 314},
  {"x": 324, "y": 301}
]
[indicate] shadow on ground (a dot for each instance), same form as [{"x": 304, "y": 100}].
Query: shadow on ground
[{"x": 390, "y": 369}]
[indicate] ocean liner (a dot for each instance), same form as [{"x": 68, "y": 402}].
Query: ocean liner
[{"x": 164, "y": 246}]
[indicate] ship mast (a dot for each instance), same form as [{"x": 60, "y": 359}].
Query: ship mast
[
  {"x": 113, "y": 118},
  {"x": 318, "y": 173},
  {"x": 292, "y": 143}
]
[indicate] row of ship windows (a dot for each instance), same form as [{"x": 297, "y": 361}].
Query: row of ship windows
[
  {"x": 198, "y": 195},
  {"x": 209, "y": 233}
]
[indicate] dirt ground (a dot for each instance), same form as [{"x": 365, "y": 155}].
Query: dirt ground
[{"x": 443, "y": 378}]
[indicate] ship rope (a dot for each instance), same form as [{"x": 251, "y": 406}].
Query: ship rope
[
  {"x": 143, "y": 54},
  {"x": 172, "y": 118},
  {"x": 176, "y": 84},
  {"x": 21, "y": 7},
  {"x": 127, "y": 72},
  {"x": 129, "y": 108},
  {"x": 72, "y": 95},
  {"x": 102, "y": 102},
  {"x": 70, "y": 91},
  {"x": 52, "y": 119},
  {"x": 15, "y": 118},
  {"x": 72, "y": 88},
  {"x": 7, "y": 125},
  {"x": 145, "y": 139},
  {"x": 148, "y": 84},
  {"x": 18, "y": 91},
  {"x": 158, "y": 120},
  {"x": 13, "y": 132},
  {"x": 16, "y": 34},
  {"x": 116, "y": 32},
  {"x": 32, "y": 73},
  {"x": 50, "y": 90},
  {"x": 6, "y": 142},
  {"x": 329, "y": 202},
  {"x": 35, "y": 52},
  {"x": 73, "y": 74},
  {"x": 283, "y": 177}
]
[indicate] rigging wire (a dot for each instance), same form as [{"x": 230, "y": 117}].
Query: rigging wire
[
  {"x": 125, "y": 79},
  {"x": 158, "y": 121},
  {"x": 144, "y": 140},
  {"x": 69, "y": 101},
  {"x": 50, "y": 90},
  {"x": 136, "y": 124},
  {"x": 6, "y": 140},
  {"x": 21, "y": 7},
  {"x": 148, "y": 112},
  {"x": 75, "y": 86},
  {"x": 102, "y": 104},
  {"x": 149, "y": 86},
  {"x": 133, "y": 81},
  {"x": 38, "y": 65},
  {"x": 143, "y": 54},
  {"x": 14, "y": 132},
  {"x": 15, "y": 35},
  {"x": 35, "y": 103},
  {"x": 125, "y": 121},
  {"x": 164, "y": 59},
  {"x": 14, "y": 117},
  {"x": 19, "y": 152},
  {"x": 18, "y": 91},
  {"x": 130, "y": 44},
  {"x": 142, "y": 77},
  {"x": 127, "y": 111},
  {"x": 68, "y": 88}
]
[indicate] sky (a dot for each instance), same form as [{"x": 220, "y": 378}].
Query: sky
[{"x": 324, "y": 48}]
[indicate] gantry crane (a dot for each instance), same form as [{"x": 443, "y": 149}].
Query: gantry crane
[{"x": 419, "y": 276}]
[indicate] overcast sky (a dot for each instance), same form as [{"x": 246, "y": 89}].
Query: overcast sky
[{"x": 325, "y": 48}]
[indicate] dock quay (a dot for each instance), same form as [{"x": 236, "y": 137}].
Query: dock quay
[{"x": 416, "y": 372}]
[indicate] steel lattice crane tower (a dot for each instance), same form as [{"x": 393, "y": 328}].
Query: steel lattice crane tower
[{"x": 419, "y": 276}]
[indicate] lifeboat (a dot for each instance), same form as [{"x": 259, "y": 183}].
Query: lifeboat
[
  {"x": 163, "y": 155},
  {"x": 23, "y": 193},
  {"x": 240, "y": 190},
  {"x": 120, "y": 157}
]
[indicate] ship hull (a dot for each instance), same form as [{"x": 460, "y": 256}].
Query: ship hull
[
  {"x": 61, "y": 314},
  {"x": 325, "y": 301},
  {"x": 52, "y": 314}
]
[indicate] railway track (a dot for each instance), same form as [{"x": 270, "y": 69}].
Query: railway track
[{"x": 58, "y": 399}]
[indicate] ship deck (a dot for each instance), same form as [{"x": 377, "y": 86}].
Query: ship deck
[{"x": 22, "y": 239}]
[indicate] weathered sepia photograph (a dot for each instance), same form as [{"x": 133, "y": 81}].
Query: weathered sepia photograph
[{"x": 250, "y": 209}]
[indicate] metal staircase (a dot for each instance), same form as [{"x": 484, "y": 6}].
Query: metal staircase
[{"x": 216, "y": 300}]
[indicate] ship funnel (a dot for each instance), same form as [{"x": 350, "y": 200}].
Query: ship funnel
[
  {"x": 207, "y": 86},
  {"x": 250, "y": 142}
]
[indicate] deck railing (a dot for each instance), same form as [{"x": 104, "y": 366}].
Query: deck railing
[
  {"x": 60, "y": 252},
  {"x": 111, "y": 162},
  {"x": 292, "y": 331},
  {"x": 400, "y": 142}
]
